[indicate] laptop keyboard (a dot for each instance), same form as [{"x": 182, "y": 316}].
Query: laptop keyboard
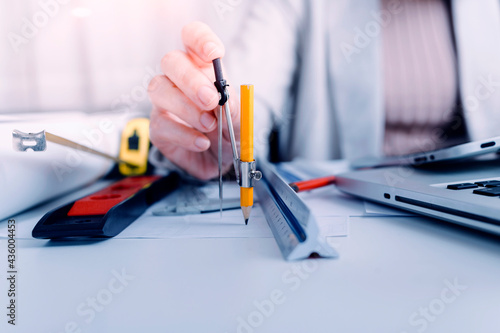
[{"x": 490, "y": 188}]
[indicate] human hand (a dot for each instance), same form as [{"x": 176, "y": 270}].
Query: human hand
[{"x": 185, "y": 103}]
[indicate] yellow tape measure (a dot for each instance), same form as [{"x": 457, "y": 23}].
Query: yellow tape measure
[{"x": 134, "y": 147}]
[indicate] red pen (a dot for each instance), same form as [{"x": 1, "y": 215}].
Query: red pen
[{"x": 312, "y": 184}]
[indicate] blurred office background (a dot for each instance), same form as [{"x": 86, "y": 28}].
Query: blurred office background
[{"x": 94, "y": 55}]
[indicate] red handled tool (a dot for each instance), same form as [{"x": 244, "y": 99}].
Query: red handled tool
[
  {"x": 107, "y": 212},
  {"x": 312, "y": 184}
]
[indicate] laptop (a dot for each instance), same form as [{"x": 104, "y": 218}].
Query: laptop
[
  {"x": 447, "y": 154},
  {"x": 465, "y": 193}
]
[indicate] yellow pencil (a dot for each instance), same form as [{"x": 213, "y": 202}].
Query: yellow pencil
[{"x": 246, "y": 131}]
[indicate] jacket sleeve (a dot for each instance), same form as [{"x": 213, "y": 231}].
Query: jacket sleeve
[{"x": 265, "y": 54}]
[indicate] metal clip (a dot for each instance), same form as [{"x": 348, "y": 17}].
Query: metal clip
[
  {"x": 24, "y": 141},
  {"x": 249, "y": 174}
]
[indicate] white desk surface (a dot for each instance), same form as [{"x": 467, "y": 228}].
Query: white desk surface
[
  {"x": 389, "y": 268},
  {"x": 394, "y": 274}
]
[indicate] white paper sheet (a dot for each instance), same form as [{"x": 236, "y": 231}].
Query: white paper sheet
[{"x": 209, "y": 225}]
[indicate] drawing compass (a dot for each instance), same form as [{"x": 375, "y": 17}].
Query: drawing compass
[{"x": 245, "y": 172}]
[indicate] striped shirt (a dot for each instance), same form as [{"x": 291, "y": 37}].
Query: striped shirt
[{"x": 420, "y": 78}]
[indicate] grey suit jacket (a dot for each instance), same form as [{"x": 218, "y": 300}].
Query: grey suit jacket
[{"x": 316, "y": 66}]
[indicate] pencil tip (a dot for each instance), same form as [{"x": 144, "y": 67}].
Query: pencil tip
[{"x": 246, "y": 213}]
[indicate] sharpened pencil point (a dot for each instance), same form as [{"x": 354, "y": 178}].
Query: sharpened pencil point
[{"x": 246, "y": 213}]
